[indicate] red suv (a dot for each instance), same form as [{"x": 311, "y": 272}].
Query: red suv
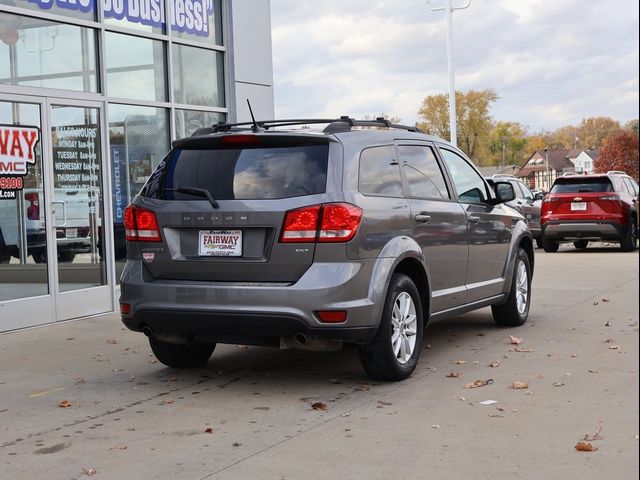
[{"x": 580, "y": 208}]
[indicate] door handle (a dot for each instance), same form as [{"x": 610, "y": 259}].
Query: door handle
[
  {"x": 64, "y": 214},
  {"x": 422, "y": 218},
  {"x": 473, "y": 219}
]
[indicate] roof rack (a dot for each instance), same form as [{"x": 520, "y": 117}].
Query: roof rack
[
  {"x": 335, "y": 125},
  {"x": 616, "y": 172},
  {"x": 496, "y": 175}
]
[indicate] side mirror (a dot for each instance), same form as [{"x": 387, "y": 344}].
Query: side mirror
[
  {"x": 538, "y": 196},
  {"x": 504, "y": 192}
]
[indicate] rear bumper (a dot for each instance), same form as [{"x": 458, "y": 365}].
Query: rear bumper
[
  {"x": 583, "y": 230},
  {"x": 223, "y": 312}
]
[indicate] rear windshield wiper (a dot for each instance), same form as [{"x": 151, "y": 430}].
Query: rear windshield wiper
[{"x": 198, "y": 192}]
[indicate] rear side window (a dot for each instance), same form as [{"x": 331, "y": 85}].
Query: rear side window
[
  {"x": 248, "y": 173},
  {"x": 379, "y": 172},
  {"x": 582, "y": 185},
  {"x": 422, "y": 172}
]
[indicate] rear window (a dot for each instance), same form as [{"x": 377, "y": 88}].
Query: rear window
[
  {"x": 245, "y": 174},
  {"x": 582, "y": 185}
]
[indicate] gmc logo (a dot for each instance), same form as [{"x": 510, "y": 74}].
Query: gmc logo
[{"x": 17, "y": 149}]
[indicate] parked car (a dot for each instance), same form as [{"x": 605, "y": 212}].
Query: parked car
[
  {"x": 297, "y": 238},
  {"x": 526, "y": 202},
  {"x": 582, "y": 208}
]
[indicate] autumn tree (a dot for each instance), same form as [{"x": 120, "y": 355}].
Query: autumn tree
[
  {"x": 386, "y": 116},
  {"x": 473, "y": 119},
  {"x": 592, "y": 131},
  {"x": 619, "y": 152},
  {"x": 632, "y": 125},
  {"x": 506, "y": 145}
]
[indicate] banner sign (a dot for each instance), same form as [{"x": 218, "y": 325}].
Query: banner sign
[
  {"x": 190, "y": 16},
  {"x": 119, "y": 182},
  {"x": 17, "y": 152}
]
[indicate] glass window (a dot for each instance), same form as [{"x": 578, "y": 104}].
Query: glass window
[
  {"x": 528, "y": 194},
  {"x": 146, "y": 15},
  {"x": 83, "y": 9},
  {"x": 198, "y": 20},
  {"x": 469, "y": 184},
  {"x": 197, "y": 76},
  {"x": 582, "y": 185},
  {"x": 422, "y": 172},
  {"x": 379, "y": 172},
  {"x": 39, "y": 53},
  {"x": 188, "y": 121},
  {"x": 248, "y": 174},
  {"x": 139, "y": 139},
  {"x": 135, "y": 67}
]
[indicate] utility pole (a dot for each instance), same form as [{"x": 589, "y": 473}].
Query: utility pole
[
  {"x": 504, "y": 164},
  {"x": 448, "y": 10}
]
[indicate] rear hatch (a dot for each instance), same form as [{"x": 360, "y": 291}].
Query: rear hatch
[
  {"x": 220, "y": 203},
  {"x": 581, "y": 198}
]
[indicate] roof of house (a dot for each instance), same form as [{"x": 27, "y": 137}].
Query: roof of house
[
  {"x": 558, "y": 161},
  {"x": 498, "y": 169}
]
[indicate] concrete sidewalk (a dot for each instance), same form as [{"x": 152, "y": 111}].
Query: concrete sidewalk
[{"x": 130, "y": 417}]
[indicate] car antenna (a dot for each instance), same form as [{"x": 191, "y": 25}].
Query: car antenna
[{"x": 255, "y": 127}]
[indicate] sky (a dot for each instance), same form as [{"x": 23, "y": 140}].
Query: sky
[{"x": 552, "y": 62}]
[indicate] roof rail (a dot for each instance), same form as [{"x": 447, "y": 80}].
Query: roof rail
[
  {"x": 336, "y": 125},
  {"x": 503, "y": 175},
  {"x": 616, "y": 172}
]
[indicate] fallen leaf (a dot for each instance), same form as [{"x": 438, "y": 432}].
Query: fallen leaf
[
  {"x": 479, "y": 383},
  {"x": 237, "y": 444},
  {"x": 459, "y": 362},
  {"x": 131, "y": 429},
  {"x": 573, "y": 355},
  {"x": 495, "y": 415},
  {"x": 608, "y": 324},
  {"x": 319, "y": 406},
  {"x": 89, "y": 471},
  {"x": 614, "y": 347},
  {"x": 521, "y": 350},
  {"x": 475, "y": 362},
  {"x": 558, "y": 384},
  {"x": 609, "y": 340},
  {"x": 78, "y": 380},
  {"x": 453, "y": 374},
  {"x": 168, "y": 401},
  {"x": 585, "y": 447},
  {"x": 112, "y": 341},
  {"x": 386, "y": 404},
  {"x": 65, "y": 404},
  {"x": 435, "y": 426},
  {"x": 495, "y": 364},
  {"x": 119, "y": 447},
  {"x": 515, "y": 340},
  {"x": 595, "y": 303},
  {"x": 596, "y": 436},
  {"x": 518, "y": 385},
  {"x": 593, "y": 371},
  {"x": 605, "y": 300},
  {"x": 208, "y": 430}
]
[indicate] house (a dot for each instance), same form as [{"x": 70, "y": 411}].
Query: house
[{"x": 534, "y": 171}]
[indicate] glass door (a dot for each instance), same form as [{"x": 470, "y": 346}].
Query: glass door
[{"x": 77, "y": 209}]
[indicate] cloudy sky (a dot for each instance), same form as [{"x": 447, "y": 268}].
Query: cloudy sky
[{"x": 552, "y": 62}]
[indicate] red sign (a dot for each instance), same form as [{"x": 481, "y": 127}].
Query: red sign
[{"x": 17, "y": 152}]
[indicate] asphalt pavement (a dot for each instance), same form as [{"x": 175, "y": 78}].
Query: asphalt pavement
[{"x": 87, "y": 399}]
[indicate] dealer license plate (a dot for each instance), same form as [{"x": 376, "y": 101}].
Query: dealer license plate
[
  {"x": 579, "y": 206},
  {"x": 220, "y": 243}
]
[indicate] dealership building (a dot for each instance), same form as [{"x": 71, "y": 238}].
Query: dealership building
[{"x": 92, "y": 93}]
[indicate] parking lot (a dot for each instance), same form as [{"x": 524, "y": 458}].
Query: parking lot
[{"x": 87, "y": 398}]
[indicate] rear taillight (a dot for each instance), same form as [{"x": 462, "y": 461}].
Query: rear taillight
[
  {"x": 33, "y": 210},
  {"x": 331, "y": 222},
  {"x": 550, "y": 198},
  {"x": 141, "y": 225}
]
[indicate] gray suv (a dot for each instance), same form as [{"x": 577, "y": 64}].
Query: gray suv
[{"x": 270, "y": 234}]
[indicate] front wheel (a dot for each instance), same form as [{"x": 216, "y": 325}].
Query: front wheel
[
  {"x": 628, "y": 242},
  {"x": 394, "y": 352},
  {"x": 515, "y": 311},
  {"x": 180, "y": 355}
]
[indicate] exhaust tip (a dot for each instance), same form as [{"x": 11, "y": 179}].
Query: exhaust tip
[
  {"x": 147, "y": 331},
  {"x": 301, "y": 338}
]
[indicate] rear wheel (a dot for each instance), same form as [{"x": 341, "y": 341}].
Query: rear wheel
[
  {"x": 39, "y": 255},
  {"x": 539, "y": 242},
  {"x": 581, "y": 244},
  {"x": 628, "y": 242},
  {"x": 180, "y": 355},
  {"x": 550, "y": 246},
  {"x": 394, "y": 352},
  {"x": 515, "y": 311},
  {"x": 66, "y": 257}
]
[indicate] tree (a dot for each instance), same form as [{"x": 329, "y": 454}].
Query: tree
[
  {"x": 632, "y": 125},
  {"x": 396, "y": 120},
  {"x": 619, "y": 152},
  {"x": 592, "y": 131},
  {"x": 473, "y": 119},
  {"x": 506, "y": 144}
]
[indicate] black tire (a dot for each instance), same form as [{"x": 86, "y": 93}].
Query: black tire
[
  {"x": 39, "y": 255},
  {"x": 66, "y": 257},
  {"x": 550, "y": 246},
  {"x": 378, "y": 358},
  {"x": 509, "y": 314},
  {"x": 180, "y": 355},
  {"x": 581, "y": 244},
  {"x": 628, "y": 242},
  {"x": 539, "y": 242}
]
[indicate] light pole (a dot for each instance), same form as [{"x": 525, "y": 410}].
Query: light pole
[{"x": 448, "y": 10}]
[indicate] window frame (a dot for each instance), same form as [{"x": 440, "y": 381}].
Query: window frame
[
  {"x": 406, "y": 188},
  {"x": 402, "y": 189},
  {"x": 488, "y": 191}
]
